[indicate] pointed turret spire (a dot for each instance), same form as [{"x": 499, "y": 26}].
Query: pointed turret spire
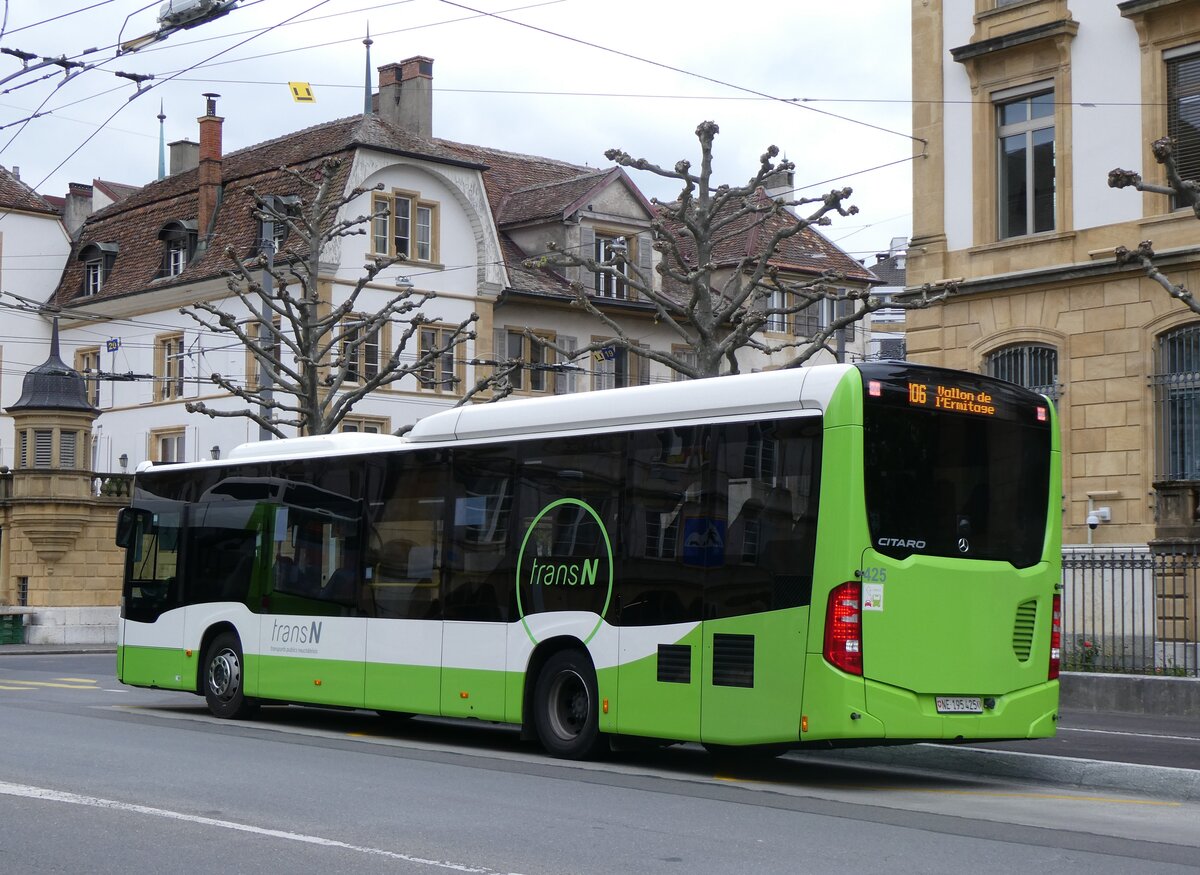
[
  {"x": 162, "y": 142},
  {"x": 53, "y": 385},
  {"x": 367, "y": 76}
]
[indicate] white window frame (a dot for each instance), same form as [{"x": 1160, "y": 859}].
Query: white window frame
[{"x": 1028, "y": 130}]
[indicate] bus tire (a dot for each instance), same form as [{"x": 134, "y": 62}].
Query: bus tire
[
  {"x": 565, "y": 707},
  {"x": 224, "y": 679}
]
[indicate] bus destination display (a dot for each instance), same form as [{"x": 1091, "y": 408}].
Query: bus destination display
[{"x": 951, "y": 398}]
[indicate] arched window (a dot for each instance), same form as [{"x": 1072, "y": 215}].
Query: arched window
[
  {"x": 1032, "y": 365},
  {"x": 1176, "y": 385}
]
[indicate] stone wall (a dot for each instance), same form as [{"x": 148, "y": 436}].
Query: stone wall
[{"x": 1104, "y": 328}]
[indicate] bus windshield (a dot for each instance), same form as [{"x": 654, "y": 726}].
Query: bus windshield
[{"x": 954, "y": 465}]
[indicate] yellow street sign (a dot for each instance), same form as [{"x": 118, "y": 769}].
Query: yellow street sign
[{"x": 302, "y": 92}]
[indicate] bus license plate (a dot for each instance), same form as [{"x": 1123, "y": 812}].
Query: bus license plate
[{"x": 959, "y": 704}]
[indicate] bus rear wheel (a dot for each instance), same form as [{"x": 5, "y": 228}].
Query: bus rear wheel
[
  {"x": 224, "y": 679},
  {"x": 565, "y": 711}
]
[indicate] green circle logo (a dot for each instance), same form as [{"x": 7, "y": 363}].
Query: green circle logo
[{"x": 567, "y": 583}]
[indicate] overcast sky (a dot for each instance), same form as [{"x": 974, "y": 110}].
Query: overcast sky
[{"x": 570, "y": 80}]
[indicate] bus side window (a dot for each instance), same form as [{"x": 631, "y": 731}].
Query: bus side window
[{"x": 408, "y": 521}]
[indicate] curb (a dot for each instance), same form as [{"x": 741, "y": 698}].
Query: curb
[
  {"x": 45, "y": 649},
  {"x": 1159, "y": 781}
]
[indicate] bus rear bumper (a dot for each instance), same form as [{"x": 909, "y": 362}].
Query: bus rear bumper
[
  {"x": 841, "y": 707},
  {"x": 1031, "y": 712}
]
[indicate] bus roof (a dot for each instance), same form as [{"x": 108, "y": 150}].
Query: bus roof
[{"x": 741, "y": 395}]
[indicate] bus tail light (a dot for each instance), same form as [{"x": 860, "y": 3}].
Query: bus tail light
[
  {"x": 843, "y": 628},
  {"x": 1055, "y": 638}
]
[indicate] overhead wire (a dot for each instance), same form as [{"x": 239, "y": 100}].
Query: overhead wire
[
  {"x": 163, "y": 81},
  {"x": 54, "y": 18},
  {"x": 674, "y": 69}
]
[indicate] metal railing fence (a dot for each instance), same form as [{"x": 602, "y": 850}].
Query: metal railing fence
[{"x": 1131, "y": 611}]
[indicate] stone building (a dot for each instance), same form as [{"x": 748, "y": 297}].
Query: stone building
[
  {"x": 58, "y": 518},
  {"x": 1023, "y": 106}
]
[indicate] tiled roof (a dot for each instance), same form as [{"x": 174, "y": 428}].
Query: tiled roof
[
  {"x": 134, "y": 223},
  {"x": 16, "y": 195},
  {"x": 520, "y": 188},
  {"x": 508, "y": 172},
  {"x": 529, "y": 279},
  {"x": 545, "y": 201},
  {"x": 808, "y": 252},
  {"x": 115, "y": 191},
  {"x": 889, "y": 271}
]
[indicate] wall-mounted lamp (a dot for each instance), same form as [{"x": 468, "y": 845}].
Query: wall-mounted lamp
[
  {"x": 215, "y": 451},
  {"x": 123, "y": 461},
  {"x": 404, "y": 282}
]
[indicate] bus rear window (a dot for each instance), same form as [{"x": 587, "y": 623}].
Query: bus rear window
[{"x": 954, "y": 465}]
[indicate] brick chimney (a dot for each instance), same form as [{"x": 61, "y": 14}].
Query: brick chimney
[
  {"x": 210, "y": 165},
  {"x": 406, "y": 95}
]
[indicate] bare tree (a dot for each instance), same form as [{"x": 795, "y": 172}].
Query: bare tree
[
  {"x": 1186, "y": 191},
  {"x": 718, "y": 297},
  {"x": 316, "y": 359}
]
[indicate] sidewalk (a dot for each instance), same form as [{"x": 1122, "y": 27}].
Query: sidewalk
[{"x": 1160, "y": 782}]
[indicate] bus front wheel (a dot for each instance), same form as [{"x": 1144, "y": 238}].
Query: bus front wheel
[
  {"x": 224, "y": 678},
  {"x": 565, "y": 707}
]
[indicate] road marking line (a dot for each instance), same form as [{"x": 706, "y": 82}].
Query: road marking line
[
  {"x": 25, "y": 684},
  {"x": 47, "y": 795},
  {"x": 1132, "y": 734},
  {"x": 92, "y": 681}
]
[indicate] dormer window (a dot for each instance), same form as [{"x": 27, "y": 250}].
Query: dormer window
[
  {"x": 93, "y": 278},
  {"x": 97, "y": 261},
  {"x": 179, "y": 245},
  {"x": 287, "y": 207},
  {"x": 176, "y": 258}
]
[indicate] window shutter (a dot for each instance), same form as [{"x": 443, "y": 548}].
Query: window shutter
[
  {"x": 66, "y": 449},
  {"x": 645, "y": 257},
  {"x": 564, "y": 382},
  {"x": 845, "y": 306},
  {"x": 587, "y": 249},
  {"x": 499, "y": 348},
  {"x": 643, "y": 366},
  {"x": 43, "y": 448}
]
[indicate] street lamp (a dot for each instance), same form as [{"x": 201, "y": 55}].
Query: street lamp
[
  {"x": 216, "y": 452},
  {"x": 123, "y": 461}
]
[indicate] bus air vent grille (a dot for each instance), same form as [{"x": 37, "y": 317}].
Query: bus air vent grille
[
  {"x": 674, "y": 664},
  {"x": 733, "y": 660},
  {"x": 1023, "y": 629}
]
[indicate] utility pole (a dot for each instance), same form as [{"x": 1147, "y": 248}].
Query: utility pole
[{"x": 266, "y": 332}]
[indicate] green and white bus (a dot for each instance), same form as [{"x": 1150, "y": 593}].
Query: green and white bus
[{"x": 834, "y": 555}]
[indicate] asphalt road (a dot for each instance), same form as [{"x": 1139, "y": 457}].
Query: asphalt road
[
  {"x": 1143, "y": 739},
  {"x": 100, "y": 778}
]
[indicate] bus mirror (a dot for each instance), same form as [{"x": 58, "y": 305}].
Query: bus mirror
[{"x": 131, "y": 522}]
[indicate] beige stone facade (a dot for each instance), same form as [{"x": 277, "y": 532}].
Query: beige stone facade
[
  {"x": 1058, "y": 288},
  {"x": 59, "y": 563}
]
